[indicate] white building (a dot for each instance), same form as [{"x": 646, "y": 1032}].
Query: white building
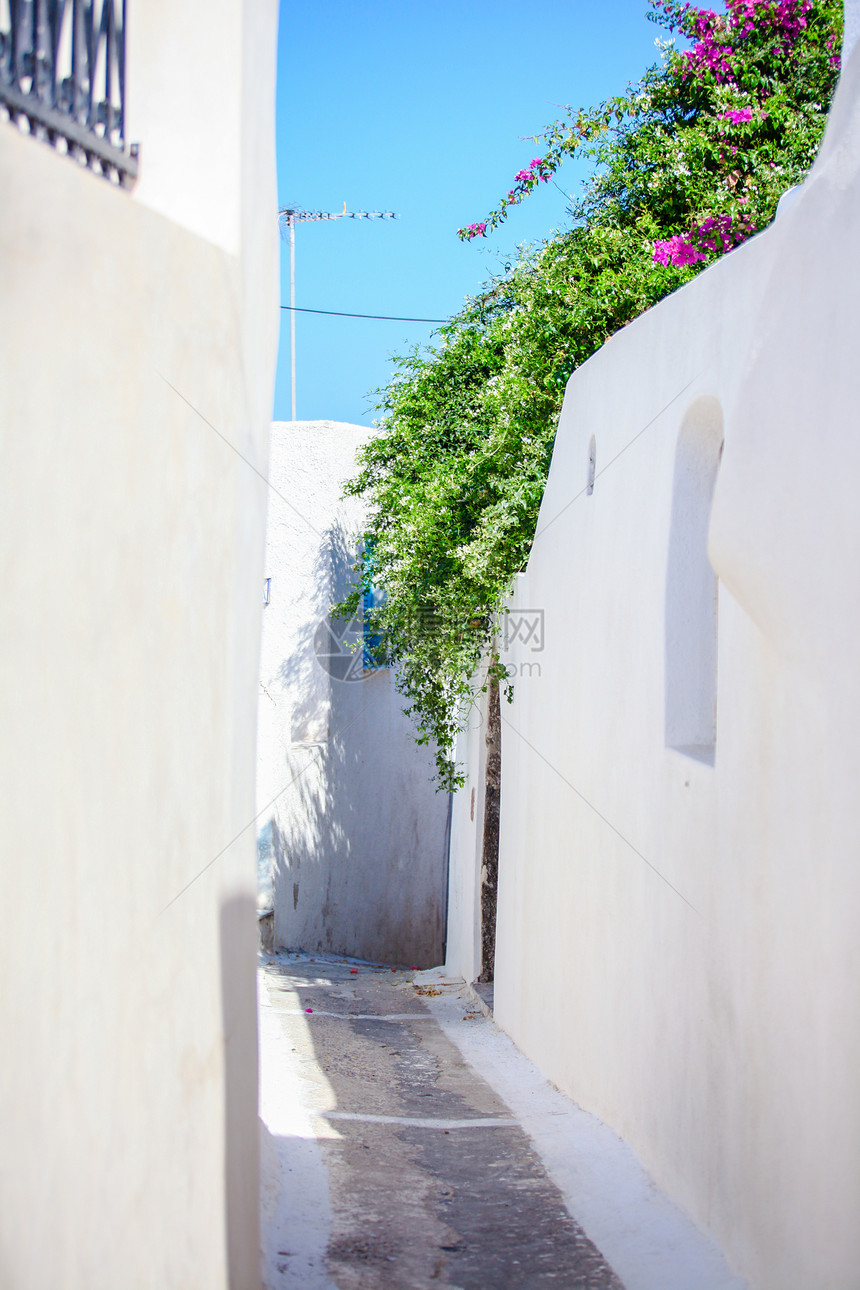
[
  {"x": 138, "y": 327},
  {"x": 352, "y": 833},
  {"x": 679, "y": 889}
]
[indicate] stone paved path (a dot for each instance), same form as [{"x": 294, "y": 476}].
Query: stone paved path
[{"x": 407, "y": 1171}]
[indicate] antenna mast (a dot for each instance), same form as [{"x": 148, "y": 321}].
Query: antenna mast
[{"x": 289, "y": 217}]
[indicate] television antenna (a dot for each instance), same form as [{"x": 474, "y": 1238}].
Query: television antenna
[{"x": 289, "y": 217}]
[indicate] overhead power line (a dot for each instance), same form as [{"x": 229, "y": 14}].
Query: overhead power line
[{"x": 336, "y": 313}]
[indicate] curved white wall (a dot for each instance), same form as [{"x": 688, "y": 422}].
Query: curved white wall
[
  {"x": 677, "y": 935},
  {"x": 349, "y": 814}
]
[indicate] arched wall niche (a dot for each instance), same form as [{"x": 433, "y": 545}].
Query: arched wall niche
[{"x": 691, "y": 587}]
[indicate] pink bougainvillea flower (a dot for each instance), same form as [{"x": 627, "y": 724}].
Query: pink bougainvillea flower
[{"x": 716, "y": 234}]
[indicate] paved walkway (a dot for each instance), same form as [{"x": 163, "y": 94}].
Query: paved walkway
[{"x": 391, "y": 1163}]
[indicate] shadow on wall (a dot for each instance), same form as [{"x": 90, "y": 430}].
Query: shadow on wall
[
  {"x": 303, "y": 682},
  {"x": 358, "y": 836},
  {"x": 691, "y": 587},
  {"x": 324, "y": 642},
  {"x": 241, "y": 1136}
]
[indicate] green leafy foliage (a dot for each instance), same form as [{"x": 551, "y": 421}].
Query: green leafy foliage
[{"x": 687, "y": 163}]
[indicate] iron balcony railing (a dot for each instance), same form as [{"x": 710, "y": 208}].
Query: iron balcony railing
[{"x": 62, "y": 76}]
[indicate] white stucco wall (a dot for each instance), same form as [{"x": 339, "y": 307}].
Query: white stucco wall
[
  {"x": 348, "y": 813},
  {"x": 852, "y": 27},
  {"x": 463, "y": 949},
  {"x": 677, "y": 944},
  {"x": 133, "y": 536},
  {"x": 184, "y": 108}
]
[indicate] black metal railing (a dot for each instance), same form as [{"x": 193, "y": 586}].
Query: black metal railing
[{"x": 62, "y": 76}]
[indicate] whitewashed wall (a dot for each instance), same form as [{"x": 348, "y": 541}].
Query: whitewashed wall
[
  {"x": 349, "y": 817},
  {"x": 463, "y": 949},
  {"x": 136, "y": 364},
  {"x": 679, "y": 889}
]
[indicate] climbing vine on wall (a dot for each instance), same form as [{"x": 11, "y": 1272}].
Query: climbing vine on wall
[{"x": 687, "y": 164}]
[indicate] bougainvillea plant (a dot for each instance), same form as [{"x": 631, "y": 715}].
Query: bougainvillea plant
[
  {"x": 718, "y": 131},
  {"x": 685, "y": 165}
]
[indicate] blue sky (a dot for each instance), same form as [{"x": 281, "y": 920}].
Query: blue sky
[{"x": 420, "y": 107}]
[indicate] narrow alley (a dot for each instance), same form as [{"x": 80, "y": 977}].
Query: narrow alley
[{"x": 389, "y": 1161}]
